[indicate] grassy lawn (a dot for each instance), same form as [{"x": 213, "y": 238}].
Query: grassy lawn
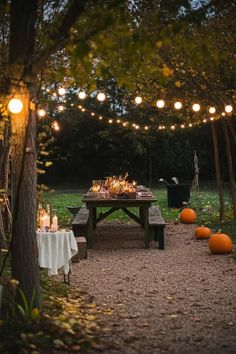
[{"x": 205, "y": 202}]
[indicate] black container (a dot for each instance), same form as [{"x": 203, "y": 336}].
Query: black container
[{"x": 177, "y": 194}]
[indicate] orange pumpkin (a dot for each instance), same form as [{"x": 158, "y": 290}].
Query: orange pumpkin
[
  {"x": 188, "y": 216},
  {"x": 220, "y": 243},
  {"x": 202, "y": 232}
]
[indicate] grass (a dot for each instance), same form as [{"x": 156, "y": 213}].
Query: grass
[{"x": 205, "y": 202}]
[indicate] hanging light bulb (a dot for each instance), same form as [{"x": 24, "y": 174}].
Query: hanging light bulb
[
  {"x": 41, "y": 113},
  {"x": 172, "y": 127},
  {"x": 118, "y": 120},
  {"x": 190, "y": 125},
  {"x": 204, "y": 120},
  {"x": 15, "y": 105},
  {"x": 100, "y": 117},
  {"x": 136, "y": 126},
  {"x": 223, "y": 114},
  {"x": 211, "y": 118},
  {"x": 82, "y": 95},
  {"x": 178, "y": 105},
  {"x": 196, "y": 107},
  {"x": 138, "y": 100},
  {"x": 61, "y": 108},
  {"x": 92, "y": 114},
  {"x": 55, "y": 125},
  {"x": 228, "y": 108},
  {"x": 182, "y": 126},
  {"x": 110, "y": 121},
  {"x": 146, "y": 127},
  {"x": 61, "y": 91},
  {"x": 212, "y": 110},
  {"x": 101, "y": 97},
  {"x": 160, "y": 103}
]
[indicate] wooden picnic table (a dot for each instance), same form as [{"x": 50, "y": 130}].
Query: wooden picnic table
[{"x": 142, "y": 203}]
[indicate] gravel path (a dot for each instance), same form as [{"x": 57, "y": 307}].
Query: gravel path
[{"x": 180, "y": 300}]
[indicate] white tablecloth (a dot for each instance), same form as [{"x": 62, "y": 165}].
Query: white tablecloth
[{"x": 56, "y": 250}]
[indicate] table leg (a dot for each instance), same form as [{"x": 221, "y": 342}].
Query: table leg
[
  {"x": 90, "y": 228},
  {"x": 94, "y": 217},
  {"x": 146, "y": 226},
  {"x": 141, "y": 216}
]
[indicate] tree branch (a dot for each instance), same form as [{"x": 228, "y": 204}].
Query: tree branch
[{"x": 59, "y": 35}]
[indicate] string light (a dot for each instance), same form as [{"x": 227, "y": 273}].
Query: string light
[
  {"x": 178, "y": 105},
  {"x": 15, "y": 105},
  {"x": 212, "y": 110},
  {"x": 138, "y": 100},
  {"x": 196, "y": 107},
  {"x": 82, "y": 95},
  {"x": 61, "y": 91},
  {"x": 41, "y": 113},
  {"x": 160, "y": 103},
  {"x": 228, "y": 108},
  {"x": 101, "y": 97}
]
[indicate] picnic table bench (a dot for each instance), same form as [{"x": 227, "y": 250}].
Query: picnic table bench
[
  {"x": 80, "y": 222},
  {"x": 156, "y": 223}
]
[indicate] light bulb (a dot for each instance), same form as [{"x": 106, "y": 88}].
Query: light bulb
[
  {"x": 41, "y": 113},
  {"x": 101, "y": 97},
  {"x": 82, "y": 95},
  {"x": 196, "y": 107},
  {"x": 212, "y": 110},
  {"x": 61, "y": 91},
  {"x": 178, "y": 105},
  {"x": 228, "y": 108},
  {"x": 160, "y": 103},
  {"x": 138, "y": 100},
  {"x": 61, "y": 108},
  {"x": 15, "y": 105}
]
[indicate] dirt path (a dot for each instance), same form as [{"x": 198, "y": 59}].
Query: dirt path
[{"x": 180, "y": 300}]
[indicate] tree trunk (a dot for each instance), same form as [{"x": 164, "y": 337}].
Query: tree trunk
[
  {"x": 230, "y": 167},
  {"x": 4, "y": 180},
  {"x": 231, "y": 128},
  {"x": 4, "y": 172},
  {"x": 218, "y": 172},
  {"x": 24, "y": 256}
]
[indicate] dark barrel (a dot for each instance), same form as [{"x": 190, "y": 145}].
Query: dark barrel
[{"x": 177, "y": 194}]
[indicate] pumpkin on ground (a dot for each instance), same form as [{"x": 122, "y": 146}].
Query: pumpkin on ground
[
  {"x": 220, "y": 244},
  {"x": 188, "y": 216},
  {"x": 202, "y": 232}
]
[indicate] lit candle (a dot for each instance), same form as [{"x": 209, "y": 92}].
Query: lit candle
[
  {"x": 46, "y": 220},
  {"x": 42, "y": 224},
  {"x": 54, "y": 226}
]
